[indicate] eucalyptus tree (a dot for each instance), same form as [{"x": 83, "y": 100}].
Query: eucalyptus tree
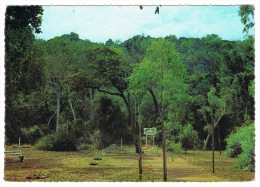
[{"x": 162, "y": 74}]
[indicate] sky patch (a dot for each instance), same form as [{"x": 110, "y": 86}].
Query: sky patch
[{"x": 100, "y": 23}]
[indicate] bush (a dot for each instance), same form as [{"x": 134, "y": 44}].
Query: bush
[
  {"x": 32, "y": 134},
  {"x": 188, "y": 137},
  {"x": 46, "y": 143},
  {"x": 246, "y": 160},
  {"x": 176, "y": 148},
  {"x": 61, "y": 141},
  {"x": 241, "y": 144},
  {"x": 95, "y": 138}
]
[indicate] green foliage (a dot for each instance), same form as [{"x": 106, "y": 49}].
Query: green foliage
[
  {"x": 246, "y": 12},
  {"x": 241, "y": 144},
  {"x": 246, "y": 160},
  {"x": 173, "y": 147},
  {"x": 95, "y": 138},
  {"x": 111, "y": 122},
  {"x": 46, "y": 142},
  {"x": 160, "y": 70},
  {"x": 32, "y": 134},
  {"x": 251, "y": 88},
  {"x": 136, "y": 47},
  {"x": 188, "y": 137},
  {"x": 60, "y": 141},
  {"x": 24, "y": 17},
  {"x": 24, "y": 66}
]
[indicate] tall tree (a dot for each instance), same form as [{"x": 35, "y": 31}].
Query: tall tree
[
  {"x": 106, "y": 70},
  {"x": 21, "y": 59},
  {"x": 162, "y": 73}
]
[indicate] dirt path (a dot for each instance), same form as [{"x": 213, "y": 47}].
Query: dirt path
[{"x": 180, "y": 170}]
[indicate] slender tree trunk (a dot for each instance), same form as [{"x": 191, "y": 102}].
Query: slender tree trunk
[
  {"x": 213, "y": 149},
  {"x": 91, "y": 102},
  {"x": 130, "y": 120},
  {"x": 207, "y": 141},
  {"x": 140, "y": 146},
  {"x": 58, "y": 112},
  {"x": 72, "y": 110},
  {"x": 50, "y": 120},
  {"x": 164, "y": 152},
  {"x": 219, "y": 142},
  {"x": 156, "y": 106},
  {"x": 210, "y": 133},
  {"x": 163, "y": 129}
]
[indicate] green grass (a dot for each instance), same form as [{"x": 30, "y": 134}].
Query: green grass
[
  {"x": 120, "y": 165},
  {"x": 224, "y": 166}
]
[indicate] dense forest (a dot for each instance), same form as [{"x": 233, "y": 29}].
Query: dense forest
[{"x": 68, "y": 94}]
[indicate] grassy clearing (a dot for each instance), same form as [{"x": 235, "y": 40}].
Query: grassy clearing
[
  {"x": 224, "y": 166},
  {"x": 119, "y": 165}
]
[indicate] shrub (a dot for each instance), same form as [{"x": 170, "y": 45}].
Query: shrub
[
  {"x": 246, "y": 160},
  {"x": 46, "y": 143},
  {"x": 176, "y": 148},
  {"x": 240, "y": 144},
  {"x": 32, "y": 134},
  {"x": 61, "y": 141},
  {"x": 188, "y": 137}
]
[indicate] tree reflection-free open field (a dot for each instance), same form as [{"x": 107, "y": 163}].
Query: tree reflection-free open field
[{"x": 120, "y": 165}]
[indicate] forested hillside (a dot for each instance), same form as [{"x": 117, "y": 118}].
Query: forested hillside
[{"x": 74, "y": 93}]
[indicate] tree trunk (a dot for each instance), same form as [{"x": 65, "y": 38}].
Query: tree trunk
[
  {"x": 58, "y": 112},
  {"x": 210, "y": 133},
  {"x": 164, "y": 153},
  {"x": 207, "y": 141},
  {"x": 130, "y": 115},
  {"x": 91, "y": 103},
  {"x": 156, "y": 106},
  {"x": 219, "y": 147},
  {"x": 140, "y": 146},
  {"x": 72, "y": 110},
  {"x": 213, "y": 149},
  {"x": 49, "y": 121}
]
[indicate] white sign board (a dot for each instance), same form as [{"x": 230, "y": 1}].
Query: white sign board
[{"x": 149, "y": 131}]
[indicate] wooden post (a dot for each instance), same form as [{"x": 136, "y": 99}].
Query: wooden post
[
  {"x": 19, "y": 141},
  {"x": 153, "y": 140}
]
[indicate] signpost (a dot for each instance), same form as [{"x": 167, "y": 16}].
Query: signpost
[{"x": 149, "y": 132}]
